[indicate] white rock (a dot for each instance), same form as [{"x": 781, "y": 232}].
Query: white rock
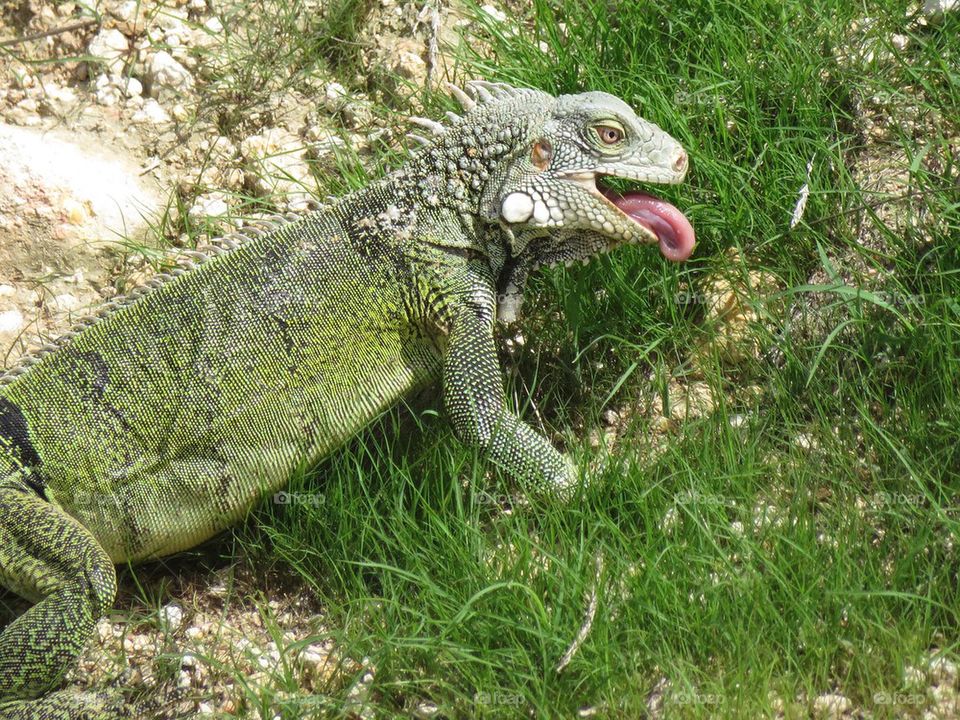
[
  {"x": 105, "y": 91},
  {"x": 109, "y": 47},
  {"x": 131, "y": 87},
  {"x": 130, "y": 16},
  {"x": 831, "y": 705},
  {"x": 210, "y": 205},
  {"x": 22, "y": 78},
  {"x": 172, "y": 616},
  {"x": 173, "y": 19},
  {"x": 11, "y": 321},
  {"x": 273, "y": 165},
  {"x": 495, "y": 13},
  {"x": 943, "y": 671},
  {"x": 151, "y": 113},
  {"x": 66, "y": 301},
  {"x": 58, "y": 93},
  {"x": 936, "y": 9},
  {"x": 166, "y": 72},
  {"x": 213, "y": 25},
  {"x": 334, "y": 97}
]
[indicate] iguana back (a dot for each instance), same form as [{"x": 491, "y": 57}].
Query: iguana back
[{"x": 164, "y": 422}]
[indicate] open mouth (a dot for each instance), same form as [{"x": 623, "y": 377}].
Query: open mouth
[{"x": 673, "y": 231}]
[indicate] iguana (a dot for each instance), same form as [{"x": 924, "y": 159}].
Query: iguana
[{"x": 167, "y": 416}]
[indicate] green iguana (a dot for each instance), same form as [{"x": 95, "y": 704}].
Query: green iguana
[{"x": 166, "y": 417}]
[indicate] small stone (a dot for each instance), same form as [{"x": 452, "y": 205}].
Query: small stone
[
  {"x": 494, "y": 13},
  {"x": 166, "y": 72},
  {"x": 106, "y": 91},
  {"x": 900, "y": 42},
  {"x": 211, "y": 205},
  {"x": 831, "y": 705},
  {"x": 357, "y": 114},
  {"x": 74, "y": 212},
  {"x": 913, "y": 677},
  {"x": 60, "y": 94},
  {"x": 109, "y": 47},
  {"x": 335, "y": 97},
  {"x": 936, "y": 9},
  {"x": 171, "y": 616},
  {"x": 11, "y": 321},
  {"x": 943, "y": 671},
  {"x": 151, "y": 113},
  {"x": 130, "y": 17},
  {"x": 130, "y": 86},
  {"x": 66, "y": 301}
]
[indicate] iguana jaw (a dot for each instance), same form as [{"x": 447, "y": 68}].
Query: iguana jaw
[{"x": 652, "y": 219}]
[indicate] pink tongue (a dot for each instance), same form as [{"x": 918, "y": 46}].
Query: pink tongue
[{"x": 671, "y": 226}]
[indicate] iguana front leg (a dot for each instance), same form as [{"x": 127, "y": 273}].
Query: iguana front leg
[
  {"x": 46, "y": 555},
  {"x": 474, "y": 400}
]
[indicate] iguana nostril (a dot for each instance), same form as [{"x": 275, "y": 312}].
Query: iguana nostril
[{"x": 680, "y": 164}]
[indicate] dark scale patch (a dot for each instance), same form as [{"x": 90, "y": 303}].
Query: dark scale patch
[
  {"x": 92, "y": 379},
  {"x": 15, "y": 437},
  {"x": 14, "y": 433},
  {"x": 99, "y": 373},
  {"x": 288, "y": 342}
]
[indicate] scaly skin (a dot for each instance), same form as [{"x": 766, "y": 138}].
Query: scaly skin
[{"x": 165, "y": 420}]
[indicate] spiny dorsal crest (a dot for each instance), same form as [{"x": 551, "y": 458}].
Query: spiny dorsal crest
[{"x": 475, "y": 93}]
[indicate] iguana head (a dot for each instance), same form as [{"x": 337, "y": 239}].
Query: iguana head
[{"x": 538, "y": 166}]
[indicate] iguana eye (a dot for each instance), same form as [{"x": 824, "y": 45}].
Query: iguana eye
[{"x": 609, "y": 134}]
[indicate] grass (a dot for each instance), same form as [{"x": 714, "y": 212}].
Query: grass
[{"x": 797, "y": 540}]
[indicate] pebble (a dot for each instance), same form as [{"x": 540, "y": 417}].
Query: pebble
[
  {"x": 936, "y": 9},
  {"x": 110, "y": 48},
  {"x": 210, "y": 205},
  {"x": 334, "y": 97},
  {"x": 166, "y": 72},
  {"x": 495, "y": 13},
  {"x": 943, "y": 671},
  {"x": 66, "y": 301},
  {"x": 831, "y": 705},
  {"x": 11, "y": 321},
  {"x": 151, "y": 112},
  {"x": 172, "y": 616},
  {"x": 130, "y": 17}
]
